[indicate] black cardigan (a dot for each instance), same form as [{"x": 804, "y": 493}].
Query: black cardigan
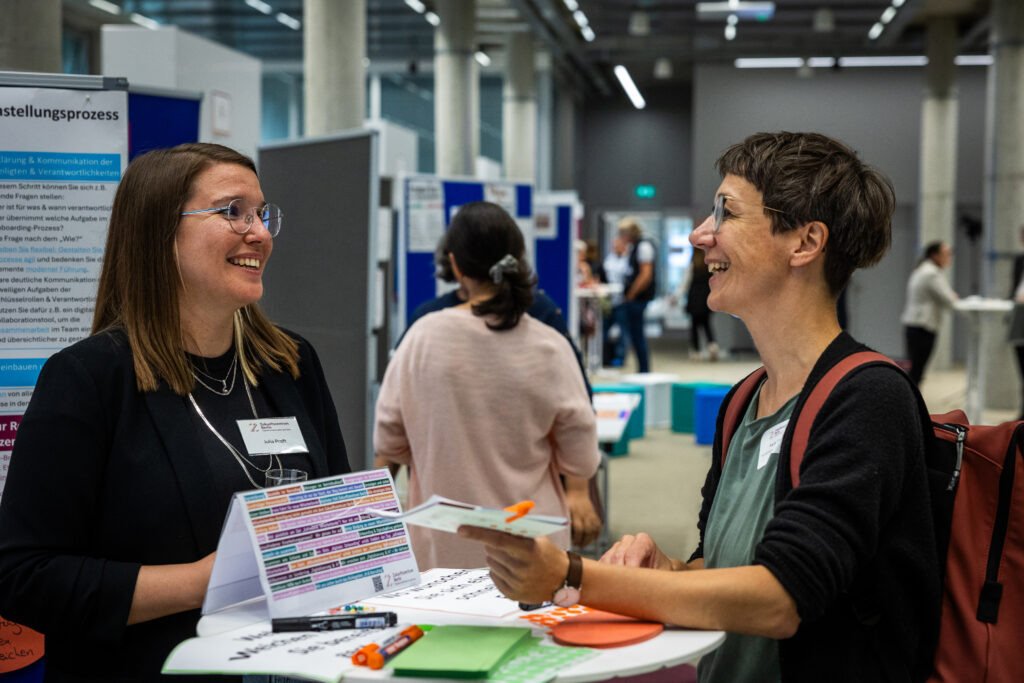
[
  {"x": 104, "y": 479},
  {"x": 853, "y": 544}
]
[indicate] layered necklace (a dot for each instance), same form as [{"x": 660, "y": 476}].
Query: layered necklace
[
  {"x": 274, "y": 460},
  {"x": 224, "y": 388}
]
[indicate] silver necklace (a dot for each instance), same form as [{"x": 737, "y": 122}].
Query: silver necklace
[
  {"x": 232, "y": 373},
  {"x": 274, "y": 461}
]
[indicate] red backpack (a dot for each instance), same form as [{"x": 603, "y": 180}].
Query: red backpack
[{"x": 979, "y": 539}]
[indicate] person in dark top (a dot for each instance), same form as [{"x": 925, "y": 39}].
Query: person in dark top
[
  {"x": 835, "y": 578},
  {"x": 1016, "y": 332},
  {"x": 129, "y": 451},
  {"x": 697, "y": 305},
  {"x": 639, "y": 288}
]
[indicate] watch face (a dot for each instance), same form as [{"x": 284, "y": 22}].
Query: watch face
[{"x": 566, "y": 596}]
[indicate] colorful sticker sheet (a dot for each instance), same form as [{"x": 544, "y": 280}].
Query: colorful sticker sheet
[{"x": 314, "y": 545}]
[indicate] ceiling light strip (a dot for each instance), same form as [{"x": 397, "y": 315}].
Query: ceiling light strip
[
  {"x": 630, "y": 87},
  {"x": 144, "y": 21},
  {"x": 108, "y": 7},
  {"x": 260, "y": 6},
  {"x": 289, "y": 21},
  {"x": 853, "y": 62}
]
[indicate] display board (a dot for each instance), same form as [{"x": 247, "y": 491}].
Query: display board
[
  {"x": 427, "y": 204},
  {"x": 555, "y": 220},
  {"x": 321, "y": 280},
  {"x": 159, "y": 119},
  {"x": 63, "y": 148}
]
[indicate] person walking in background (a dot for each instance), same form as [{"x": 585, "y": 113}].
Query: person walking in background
[
  {"x": 697, "y": 306},
  {"x": 639, "y": 286},
  {"x": 1017, "y": 320},
  {"x": 614, "y": 268},
  {"x": 928, "y": 297}
]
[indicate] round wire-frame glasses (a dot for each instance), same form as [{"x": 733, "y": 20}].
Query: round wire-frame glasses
[{"x": 241, "y": 219}]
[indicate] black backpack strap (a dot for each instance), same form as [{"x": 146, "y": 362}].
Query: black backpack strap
[
  {"x": 992, "y": 590},
  {"x": 737, "y": 405},
  {"x": 816, "y": 399}
]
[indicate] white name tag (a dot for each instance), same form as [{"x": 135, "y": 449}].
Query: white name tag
[
  {"x": 771, "y": 443},
  {"x": 272, "y": 435}
]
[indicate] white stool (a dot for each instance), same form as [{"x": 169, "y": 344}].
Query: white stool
[{"x": 657, "y": 394}]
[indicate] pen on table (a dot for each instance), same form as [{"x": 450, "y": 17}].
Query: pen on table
[
  {"x": 374, "y": 655},
  {"x": 529, "y": 607},
  {"x": 334, "y": 622}
]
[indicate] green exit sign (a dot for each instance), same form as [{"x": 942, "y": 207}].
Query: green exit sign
[{"x": 645, "y": 191}]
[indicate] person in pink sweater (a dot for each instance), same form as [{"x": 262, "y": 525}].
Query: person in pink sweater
[{"x": 484, "y": 403}]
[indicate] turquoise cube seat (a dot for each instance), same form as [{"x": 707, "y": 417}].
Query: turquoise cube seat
[{"x": 683, "y": 421}]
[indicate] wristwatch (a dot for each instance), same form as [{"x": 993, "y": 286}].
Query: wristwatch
[{"x": 569, "y": 594}]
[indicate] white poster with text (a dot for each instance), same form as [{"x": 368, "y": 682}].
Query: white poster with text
[{"x": 62, "y": 153}]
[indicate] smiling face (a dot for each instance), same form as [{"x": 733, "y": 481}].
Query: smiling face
[
  {"x": 221, "y": 271},
  {"x": 747, "y": 262}
]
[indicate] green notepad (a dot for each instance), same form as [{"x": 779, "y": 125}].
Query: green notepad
[{"x": 459, "y": 651}]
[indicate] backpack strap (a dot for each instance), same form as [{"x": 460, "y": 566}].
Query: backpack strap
[
  {"x": 819, "y": 394},
  {"x": 738, "y": 404},
  {"x": 992, "y": 589}
]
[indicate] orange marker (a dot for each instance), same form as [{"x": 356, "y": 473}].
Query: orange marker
[
  {"x": 519, "y": 510},
  {"x": 374, "y": 655}
]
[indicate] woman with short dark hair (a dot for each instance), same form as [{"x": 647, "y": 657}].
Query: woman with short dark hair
[
  {"x": 835, "y": 578},
  {"x": 483, "y": 402}
]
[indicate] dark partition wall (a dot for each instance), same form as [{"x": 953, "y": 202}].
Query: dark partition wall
[{"x": 320, "y": 279}]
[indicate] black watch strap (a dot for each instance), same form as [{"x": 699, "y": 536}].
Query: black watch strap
[{"x": 574, "y": 577}]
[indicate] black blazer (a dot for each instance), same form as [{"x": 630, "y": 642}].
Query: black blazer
[{"x": 104, "y": 479}]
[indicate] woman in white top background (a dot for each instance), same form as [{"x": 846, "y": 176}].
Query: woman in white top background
[{"x": 929, "y": 296}]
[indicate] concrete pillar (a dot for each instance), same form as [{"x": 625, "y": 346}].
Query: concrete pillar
[
  {"x": 30, "y": 33},
  {"x": 939, "y": 112},
  {"x": 519, "y": 110},
  {"x": 564, "y": 145},
  {"x": 1004, "y": 185},
  {"x": 455, "y": 118},
  {"x": 474, "y": 113},
  {"x": 334, "y": 46},
  {"x": 545, "y": 128}
]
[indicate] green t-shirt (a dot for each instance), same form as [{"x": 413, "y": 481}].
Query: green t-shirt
[{"x": 744, "y": 503}]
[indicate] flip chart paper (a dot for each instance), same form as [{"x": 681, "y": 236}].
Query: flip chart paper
[
  {"x": 309, "y": 545},
  {"x": 468, "y": 592},
  {"x": 446, "y": 514},
  {"x": 255, "y": 649}
]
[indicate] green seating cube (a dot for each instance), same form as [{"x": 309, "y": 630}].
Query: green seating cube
[{"x": 683, "y": 417}]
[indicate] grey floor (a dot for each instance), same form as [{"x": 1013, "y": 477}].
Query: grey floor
[{"x": 656, "y": 488}]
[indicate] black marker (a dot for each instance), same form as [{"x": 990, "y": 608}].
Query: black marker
[{"x": 334, "y": 622}]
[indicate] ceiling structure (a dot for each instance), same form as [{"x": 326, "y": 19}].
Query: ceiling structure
[{"x": 639, "y": 34}]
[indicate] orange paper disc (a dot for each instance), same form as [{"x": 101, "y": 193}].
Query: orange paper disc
[
  {"x": 19, "y": 646},
  {"x": 604, "y": 629}
]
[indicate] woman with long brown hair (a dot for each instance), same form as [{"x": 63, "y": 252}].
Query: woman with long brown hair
[{"x": 130, "y": 449}]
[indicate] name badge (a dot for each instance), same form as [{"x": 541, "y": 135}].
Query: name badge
[
  {"x": 272, "y": 435},
  {"x": 771, "y": 443}
]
